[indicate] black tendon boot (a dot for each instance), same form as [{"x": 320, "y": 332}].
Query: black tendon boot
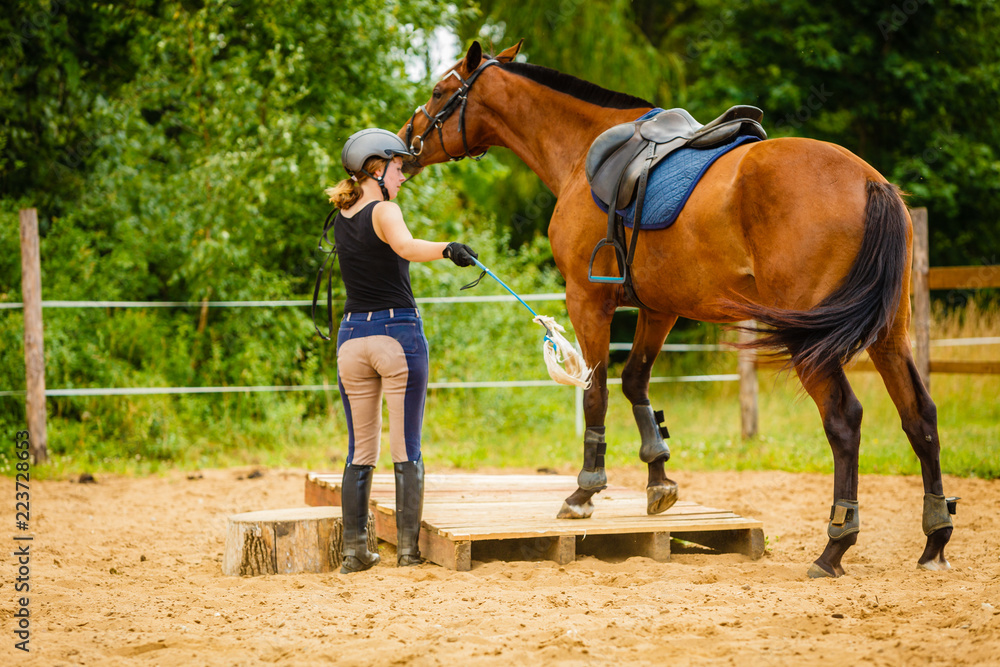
[
  {"x": 409, "y": 509},
  {"x": 355, "y": 492}
]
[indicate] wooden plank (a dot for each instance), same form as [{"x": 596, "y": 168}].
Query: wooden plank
[
  {"x": 969, "y": 367},
  {"x": 451, "y": 522},
  {"x": 962, "y": 367},
  {"x": 437, "y": 548},
  {"x": 318, "y": 495},
  {"x": 605, "y": 529},
  {"x": 964, "y": 277},
  {"x": 504, "y": 511},
  {"x": 654, "y": 545},
  {"x": 562, "y": 550}
]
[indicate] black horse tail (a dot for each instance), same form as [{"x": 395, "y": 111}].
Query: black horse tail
[{"x": 825, "y": 338}]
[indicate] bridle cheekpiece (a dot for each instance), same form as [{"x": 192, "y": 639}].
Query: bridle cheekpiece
[{"x": 458, "y": 100}]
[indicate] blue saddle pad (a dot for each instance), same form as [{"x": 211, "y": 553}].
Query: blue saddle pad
[{"x": 671, "y": 183}]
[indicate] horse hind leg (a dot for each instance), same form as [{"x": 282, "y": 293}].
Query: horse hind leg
[
  {"x": 661, "y": 492},
  {"x": 841, "y": 412},
  {"x": 894, "y": 362}
]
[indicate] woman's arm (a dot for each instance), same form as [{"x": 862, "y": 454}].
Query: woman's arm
[{"x": 387, "y": 219}]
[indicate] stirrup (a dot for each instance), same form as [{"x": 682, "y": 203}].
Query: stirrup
[{"x": 619, "y": 254}]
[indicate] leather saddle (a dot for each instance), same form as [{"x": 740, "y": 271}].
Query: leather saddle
[
  {"x": 620, "y": 160},
  {"x": 617, "y": 157}
]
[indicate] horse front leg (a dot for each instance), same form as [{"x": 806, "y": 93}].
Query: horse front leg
[
  {"x": 591, "y": 319},
  {"x": 651, "y": 331}
]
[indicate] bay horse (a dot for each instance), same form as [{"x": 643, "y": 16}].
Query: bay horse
[{"x": 800, "y": 235}]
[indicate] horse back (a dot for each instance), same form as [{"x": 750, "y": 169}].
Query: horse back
[{"x": 777, "y": 222}]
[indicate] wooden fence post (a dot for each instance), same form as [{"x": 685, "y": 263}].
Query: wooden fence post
[
  {"x": 748, "y": 385},
  {"x": 921, "y": 295},
  {"x": 34, "y": 352}
]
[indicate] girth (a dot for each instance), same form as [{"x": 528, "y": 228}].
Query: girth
[{"x": 620, "y": 160}]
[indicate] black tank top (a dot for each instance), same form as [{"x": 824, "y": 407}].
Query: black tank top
[{"x": 375, "y": 277}]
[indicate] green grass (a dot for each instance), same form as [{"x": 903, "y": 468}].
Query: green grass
[{"x": 534, "y": 427}]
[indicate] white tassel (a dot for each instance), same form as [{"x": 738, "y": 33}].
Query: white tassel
[{"x": 560, "y": 352}]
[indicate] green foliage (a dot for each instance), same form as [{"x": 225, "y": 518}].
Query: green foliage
[
  {"x": 909, "y": 87},
  {"x": 177, "y": 151}
]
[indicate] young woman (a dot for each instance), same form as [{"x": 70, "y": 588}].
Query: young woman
[{"x": 381, "y": 348}]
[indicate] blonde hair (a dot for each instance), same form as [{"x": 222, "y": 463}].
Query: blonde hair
[{"x": 346, "y": 193}]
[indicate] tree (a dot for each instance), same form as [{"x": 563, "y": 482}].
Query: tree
[{"x": 911, "y": 87}]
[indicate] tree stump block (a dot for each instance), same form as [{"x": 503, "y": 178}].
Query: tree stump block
[{"x": 302, "y": 539}]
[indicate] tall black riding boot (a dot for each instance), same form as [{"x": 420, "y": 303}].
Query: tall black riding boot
[
  {"x": 355, "y": 492},
  {"x": 409, "y": 510}
]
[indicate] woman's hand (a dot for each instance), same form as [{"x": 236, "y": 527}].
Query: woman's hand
[{"x": 460, "y": 253}]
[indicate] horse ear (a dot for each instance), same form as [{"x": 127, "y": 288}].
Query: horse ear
[
  {"x": 507, "y": 55},
  {"x": 473, "y": 57}
]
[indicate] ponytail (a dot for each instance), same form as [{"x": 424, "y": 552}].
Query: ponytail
[
  {"x": 344, "y": 194},
  {"x": 347, "y": 192}
]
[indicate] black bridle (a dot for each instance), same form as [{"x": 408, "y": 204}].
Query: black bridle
[{"x": 458, "y": 100}]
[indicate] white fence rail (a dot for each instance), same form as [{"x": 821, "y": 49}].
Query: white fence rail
[{"x": 36, "y": 391}]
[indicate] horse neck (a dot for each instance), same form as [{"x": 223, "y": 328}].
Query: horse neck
[{"x": 549, "y": 130}]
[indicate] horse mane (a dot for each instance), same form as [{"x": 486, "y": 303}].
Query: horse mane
[{"x": 578, "y": 88}]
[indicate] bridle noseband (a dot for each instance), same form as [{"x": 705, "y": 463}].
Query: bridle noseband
[{"x": 458, "y": 100}]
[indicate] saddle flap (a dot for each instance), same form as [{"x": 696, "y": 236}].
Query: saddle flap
[
  {"x": 630, "y": 178},
  {"x": 608, "y": 172},
  {"x": 668, "y": 126},
  {"x": 605, "y": 145}
]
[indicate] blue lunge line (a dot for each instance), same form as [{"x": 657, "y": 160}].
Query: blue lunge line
[{"x": 504, "y": 285}]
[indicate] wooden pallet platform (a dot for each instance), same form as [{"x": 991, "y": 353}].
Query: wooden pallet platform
[{"x": 513, "y": 517}]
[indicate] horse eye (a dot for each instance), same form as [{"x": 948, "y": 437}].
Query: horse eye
[{"x": 436, "y": 94}]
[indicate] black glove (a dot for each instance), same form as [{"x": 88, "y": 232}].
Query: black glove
[{"x": 460, "y": 253}]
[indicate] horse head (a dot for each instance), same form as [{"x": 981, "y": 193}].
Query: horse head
[{"x": 448, "y": 126}]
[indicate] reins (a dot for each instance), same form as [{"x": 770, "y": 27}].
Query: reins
[{"x": 330, "y": 254}]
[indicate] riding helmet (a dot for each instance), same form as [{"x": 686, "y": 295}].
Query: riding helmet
[{"x": 372, "y": 142}]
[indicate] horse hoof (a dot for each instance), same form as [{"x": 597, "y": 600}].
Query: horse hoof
[
  {"x": 935, "y": 565},
  {"x": 816, "y": 572},
  {"x": 660, "y": 498},
  {"x": 576, "y": 511}
]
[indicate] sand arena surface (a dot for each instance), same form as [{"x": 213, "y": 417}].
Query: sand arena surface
[{"x": 128, "y": 571}]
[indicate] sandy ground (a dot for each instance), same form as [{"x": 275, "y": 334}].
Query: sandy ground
[{"x": 128, "y": 571}]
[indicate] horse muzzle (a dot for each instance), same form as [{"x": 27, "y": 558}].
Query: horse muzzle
[{"x": 412, "y": 167}]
